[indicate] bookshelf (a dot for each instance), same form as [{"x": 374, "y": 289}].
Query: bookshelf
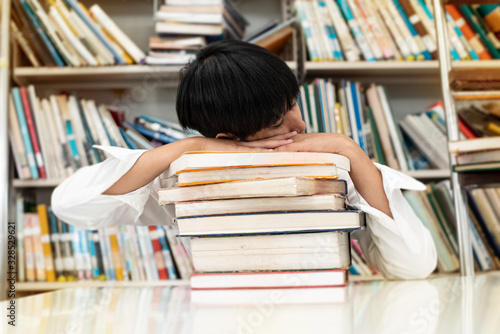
[
  {"x": 456, "y": 76},
  {"x": 4, "y": 143}
]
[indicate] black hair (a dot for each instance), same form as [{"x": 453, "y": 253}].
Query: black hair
[{"x": 234, "y": 87}]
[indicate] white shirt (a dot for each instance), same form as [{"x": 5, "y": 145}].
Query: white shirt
[{"x": 399, "y": 248}]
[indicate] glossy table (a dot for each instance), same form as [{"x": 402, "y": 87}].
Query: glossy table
[{"x": 440, "y": 305}]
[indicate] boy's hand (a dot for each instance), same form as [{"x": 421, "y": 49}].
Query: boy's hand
[
  {"x": 321, "y": 142},
  {"x": 266, "y": 144}
]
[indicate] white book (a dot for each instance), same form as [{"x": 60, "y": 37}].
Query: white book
[
  {"x": 270, "y": 204},
  {"x": 79, "y": 131},
  {"x": 313, "y": 49},
  {"x": 54, "y": 144},
  {"x": 268, "y": 252},
  {"x": 403, "y": 28},
  {"x": 280, "y": 187},
  {"x": 317, "y": 32},
  {"x": 98, "y": 125},
  {"x": 349, "y": 47},
  {"x": 208, "y": 159},
  {"x": 390, "y": 23},
  {"x": 314, "y": 113},
  {"x": 323, "y": 37},
  {"x": 350, "y": 111},
  {"x": 77, "y": 44},
  {"x": 346, "y": 128},
  {"x": 22, "y": 159},
  {"x": 61, "y": 134},
  {"x": 305, "y": 110},
  {"x": 125, "y": 42},
  {"x": 70, "y": 58},
  {"x": 365, "y": 28},
  {"x": 105, "y": 57},
  {"x": 110, "y": 125},
  {"x": 190, "y": 17},
  {"x": 270, "y": 222},
  {"x": 391, "y": 124},
  {"x": 41, "y": 130}
]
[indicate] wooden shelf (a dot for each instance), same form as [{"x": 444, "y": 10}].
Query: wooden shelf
[
  {"x": 381, "y": 71},
  {"x": 45, "y": 286},
  {"x": 40, "y": 183},
  {"x": 429, "y": 174},
  {"x": 475, "y": 75},
  {"x": 128, "y": 76}
]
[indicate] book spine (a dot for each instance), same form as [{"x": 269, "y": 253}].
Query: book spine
[
  {"x": 17, "y": 138},
  {"x": 134, "y": 243},
  {"x": 55, "y": 238},
  {"x": 357, "y": 115},
  {"x": 419, "y": 27},
  {"x": 158, "y": 256},
  {"x": 20, "y": 235},
  {"x": 375, "y": 27},
  {"x": 32, "y": 132},
  {"x": 306, "y": 28},
  {"x": 43, "y": 35},
  {"x": 329, "y": 30},
  {"x": 356, "y": 31},
  {"x": 111, "y": 233},
  {"x": 29, "y": 248},
  {"x": 77, "y": 251},
  {"x": 25, "y": 133},
  {"x": 348, "y": 44},
  {"x": 86, "y": 255},
  {"x": 45, "y": 238},
  {"x": 365, "y": 30},
  {"x": 467, "y": 31},
  {"x": 465, "y": 43},
  {"x": 38, "y": 248},
  {"x": 476, "y": 25},
  {"x": 167, "y": 253}
]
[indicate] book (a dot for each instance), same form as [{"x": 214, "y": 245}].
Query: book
[
  {"x": 271, "y": 204},
  {"x": 208, "y": 159},
  {"x": 479, "y": 144},
  {"x": 294, "y": 186},
  {"x": 271, "y": 279},
  {"x": 478, "y": 157},
  {"x": 173, "y": 28},
  {"x": 271, "y": 222},
  {"x": 271, "y": 252},
  {"x": 211, "y": 175}
]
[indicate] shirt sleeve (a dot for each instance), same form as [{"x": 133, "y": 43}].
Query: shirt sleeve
[
  {"x": 79, "y": 199},
  {"x": 399, "y": 248}
]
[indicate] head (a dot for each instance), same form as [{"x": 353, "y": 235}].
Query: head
[{"x": 239, "y": 91}]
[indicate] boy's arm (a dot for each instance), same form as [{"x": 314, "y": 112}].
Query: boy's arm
[
  {"x": 364, "y": 174},
  {"x": 154, "y": 162}
]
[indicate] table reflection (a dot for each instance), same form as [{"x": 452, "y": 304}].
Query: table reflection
[{"x": 443, "y": 305}]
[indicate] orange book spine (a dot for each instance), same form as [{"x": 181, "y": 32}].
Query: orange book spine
[
  {"x": 471, "y": 36},
  {"x": 115, "y": 252},
  {"x": 38, "y": 248},
  {"x": 28, "y": 248},
  {"x": 45, "y": 238}
]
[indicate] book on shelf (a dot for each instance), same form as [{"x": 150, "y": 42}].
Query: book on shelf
[
  {"x": 52, "y": 137},
  {"x": 55, "y": 251},
  {"x": 350, "y": 30},
  {"x": 66, "y": 33},
  {"x": 436, "y": 209}
]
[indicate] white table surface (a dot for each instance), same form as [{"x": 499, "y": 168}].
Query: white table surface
[{"x": 440, "y": 305}]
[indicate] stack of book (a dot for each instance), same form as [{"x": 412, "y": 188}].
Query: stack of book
[
  {"x": 482, "y": 154},
  {"x": 50, "y": 250},
  {"x": 185, "y": 26},
  {"x": 352, "y": 30},
  {"x": 263, "y": 220},
  {"x": 65, "y": 33}
]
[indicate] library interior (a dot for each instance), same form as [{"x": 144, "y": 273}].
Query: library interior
[{"x": 240, "y": 166}]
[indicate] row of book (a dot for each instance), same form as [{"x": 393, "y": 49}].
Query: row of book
[
  {"x": 263, "y": 220},
  {"x": 186, "y": 26},
  {"x": 50, "y": 250},
  {"x": 365, "y": 114},
  {"x": 66, "y": 33},
  {"x": 77, "y": 124},
  {"x": 436, "y": 209},
  {"x": 370, "y": 30}
]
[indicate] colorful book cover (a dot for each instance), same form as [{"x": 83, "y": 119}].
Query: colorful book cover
[
  {"x": 158, "y": 256},
  {"x": 45, "y": 238},
  {"x": 476, "y": 24}
]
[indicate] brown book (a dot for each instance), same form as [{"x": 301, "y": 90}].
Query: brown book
[
  {"x": 277, "y": 42},
  {"x": 176, "y": 43},
  {"x": 419, "y": 27}
]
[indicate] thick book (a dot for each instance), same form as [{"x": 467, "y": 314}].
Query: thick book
[
  {"x": 271, "y": 204},
  {"x": 270, "y": 222},
  {"x": 291, "y": 186},
  {"x": 210, "y": 175},
  {"x": 478, "y": 157},
  {"x": 208, "y": 159},
  {"x": 266, "y": 252},
  {"x": 474, "y": 145},
  {"x": 269, "y": 279}
]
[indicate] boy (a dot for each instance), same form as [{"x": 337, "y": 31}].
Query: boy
[{"x": 242, "y": 98}]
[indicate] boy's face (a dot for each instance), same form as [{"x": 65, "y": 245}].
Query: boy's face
[{"x": 291, "y": 121}]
